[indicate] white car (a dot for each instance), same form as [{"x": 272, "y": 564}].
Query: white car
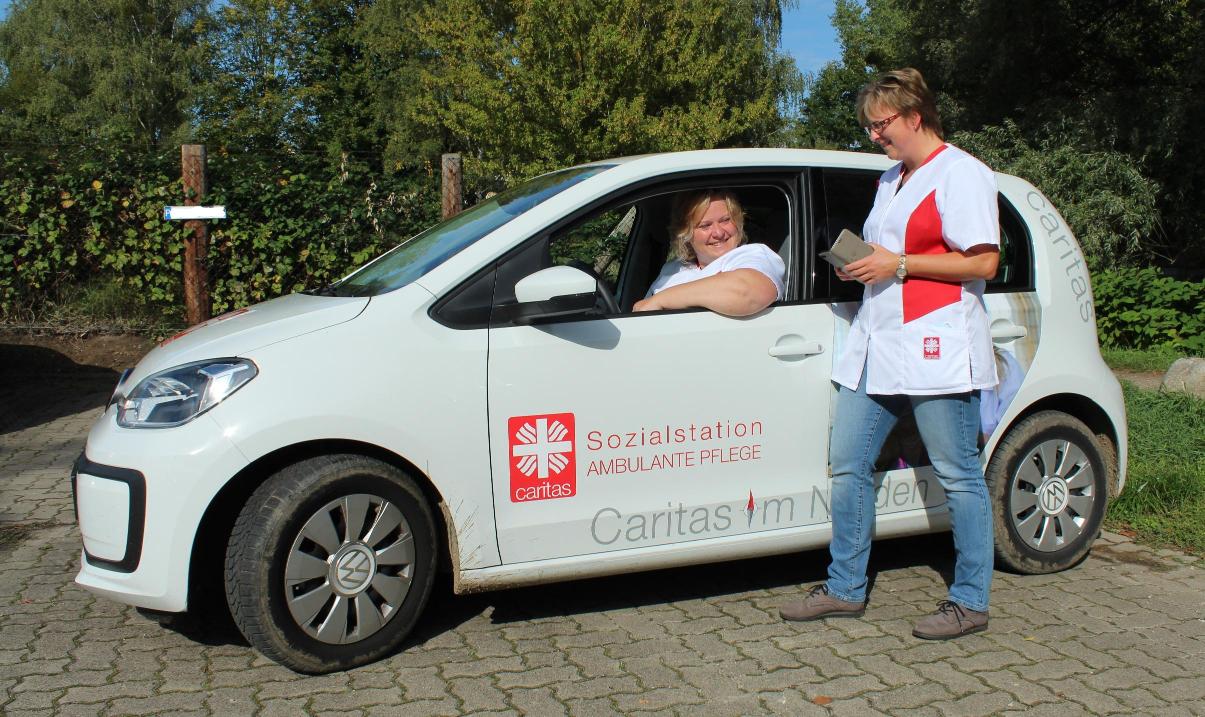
[{"x": 482, "y": 400}]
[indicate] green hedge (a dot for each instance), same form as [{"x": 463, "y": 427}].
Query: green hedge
[
  {"x": 295, "y": 221},
  {"x": 1143, "y": 309}
]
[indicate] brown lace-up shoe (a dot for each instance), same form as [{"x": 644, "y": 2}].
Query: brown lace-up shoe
[
  {"x": 818, "y": 604},
  {"x": 950, "y": 621}
]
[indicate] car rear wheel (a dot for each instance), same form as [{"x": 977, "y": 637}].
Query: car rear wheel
[
  {"x": 1048, "y": 482},
  {"x": 330, "y": 563}
]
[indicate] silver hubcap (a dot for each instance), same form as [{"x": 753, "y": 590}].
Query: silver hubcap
[
  {"x": 349, "y": 569},
  {"x": 1052, "y": 495}
]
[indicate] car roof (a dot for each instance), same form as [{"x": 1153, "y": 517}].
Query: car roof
[
  {"x": 768, "y": 157},
  {"x": 749, "y": 157}
]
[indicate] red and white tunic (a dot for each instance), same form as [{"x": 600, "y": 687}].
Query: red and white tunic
[{"x": 924, "y": 336}]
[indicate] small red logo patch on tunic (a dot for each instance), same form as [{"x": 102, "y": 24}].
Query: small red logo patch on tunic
[{"x": 932, "y": 347}]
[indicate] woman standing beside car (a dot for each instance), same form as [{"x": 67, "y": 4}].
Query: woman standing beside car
[{"x": 920, "y": 342}]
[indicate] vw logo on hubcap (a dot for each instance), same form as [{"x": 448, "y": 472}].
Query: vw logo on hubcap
[
  {"x": 1052, "y": 496},
  {"x": 352, "y": 569}
]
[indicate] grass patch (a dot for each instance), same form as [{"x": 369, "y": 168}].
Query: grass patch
[
  {"x": 1155, "y": 359},
  {"x": 1164, "y": 498}
]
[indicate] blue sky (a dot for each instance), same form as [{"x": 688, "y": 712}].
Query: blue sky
[{"x": 807, "y": 33}]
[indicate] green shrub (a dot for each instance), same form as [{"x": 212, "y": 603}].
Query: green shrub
[
  {"x": 96, "y": 214},
  {"x": 1142, "y": 309}
]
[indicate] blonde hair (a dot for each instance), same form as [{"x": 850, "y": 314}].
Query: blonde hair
[
  {"x": 689, "y": 206},
  {"x": 902, "y": 91}
]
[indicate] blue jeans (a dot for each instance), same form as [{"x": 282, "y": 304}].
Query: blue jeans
[{"x": 949, "y": 427}]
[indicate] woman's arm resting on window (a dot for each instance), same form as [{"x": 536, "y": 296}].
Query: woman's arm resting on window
[{"x": 739, "y": 292}]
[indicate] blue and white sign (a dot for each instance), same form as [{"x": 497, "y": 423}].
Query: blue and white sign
[{"x": 194, "y": 212}]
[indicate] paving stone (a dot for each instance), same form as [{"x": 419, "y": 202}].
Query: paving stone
[
  {"x": 594, "y": 662},
  {"x": 284, "y": 707},
  {"x": 477, "y": 694},
  {"x": 990, "y": 703},
  {"x": 826, "y": 662},
  {"x": 768, "y": 655},
  {"x": 1179, "y": 689},
  {"x": 1094, "y": 700},
  {"x": 652, "y": 672},
  {"x": 897, "y": 699},
  {"x": 537, "y": 678},
  {"x": 1023, "y": 691},
  {"x": 1139, "y": 699},
  {"x": 659, "y": 698},
  {"x": 351, "y": 699},
  {"x": 597, "y": 687},
  {"x": 231, "y": 700},
  {"x": 421, "y": 683},
  {"x": 888, "y": 670},
  {"x": 948, "y": 674},
  {"x": 538, "y": 701},
  {"x": 28, "y": 701},
  {"x": 599, "y": 707},
  {"x": 172, "y": 704},
  {"x": 104, "y": 693},
  {"x": 423, "y": 708},
  {"x": 476, "y": 668}
]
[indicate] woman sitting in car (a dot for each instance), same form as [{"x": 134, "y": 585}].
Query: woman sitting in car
[{"x": 715, "y": 268}]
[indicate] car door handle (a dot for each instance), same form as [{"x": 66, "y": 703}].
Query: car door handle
[
  {"x": 795, "y": 347},
  {"x": 1007, "y": 331}
]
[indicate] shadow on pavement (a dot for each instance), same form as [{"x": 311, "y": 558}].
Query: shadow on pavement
[
  {"x": 40, "y": 384},
  {"x": 212, "y": 625},
  {"x": 799, "y": 569}
]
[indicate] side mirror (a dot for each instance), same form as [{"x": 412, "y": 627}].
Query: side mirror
[{"x": 553, "y": 292}]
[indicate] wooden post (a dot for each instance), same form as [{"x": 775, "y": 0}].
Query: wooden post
[
  {"x": 452, "y": 200},
  {"x": 196, "y": 275}
]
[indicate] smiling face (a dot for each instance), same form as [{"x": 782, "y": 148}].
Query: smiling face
[
  {"x": 889, "y": 128},
  {"x": 715, "y": 232}
]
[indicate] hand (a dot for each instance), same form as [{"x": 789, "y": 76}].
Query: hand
[
  {"x": 649, "y": 304},
  {"x": 879, "y": 266},
  {"x": 843, "y": 276}
]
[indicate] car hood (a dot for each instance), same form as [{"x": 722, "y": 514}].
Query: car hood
[{"x": 243, "y": 330}]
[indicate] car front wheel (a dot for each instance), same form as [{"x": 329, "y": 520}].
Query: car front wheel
[
  {"x": 330, "y": 563},
  {"x": 1047, "y": 480}
]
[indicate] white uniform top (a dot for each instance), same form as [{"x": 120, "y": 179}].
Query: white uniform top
[
  {"x": 924, "y": 336},
  {"x": 747, "y": 256}
]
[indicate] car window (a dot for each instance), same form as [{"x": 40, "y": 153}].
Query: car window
[
  {"x": 845, "y": 202},
  {"x": 1016, "y": 253},
  {"x": 598, "y": 243},
  {"x": 415, "y": 257}
]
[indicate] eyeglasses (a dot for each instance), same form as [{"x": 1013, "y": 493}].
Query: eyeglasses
[{"x": 879, "y": 126}]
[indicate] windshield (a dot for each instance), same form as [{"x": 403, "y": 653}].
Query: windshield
[{"x": 413, "y": 258}]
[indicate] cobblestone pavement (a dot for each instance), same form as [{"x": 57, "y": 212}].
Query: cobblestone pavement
[{"x": 1123, "y": 633}]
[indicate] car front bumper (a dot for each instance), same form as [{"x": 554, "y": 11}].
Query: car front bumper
[{"x": 140, "y": 495}]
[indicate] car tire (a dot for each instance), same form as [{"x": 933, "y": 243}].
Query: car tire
[
  {"x": 1048, "y": 484},
  {"x": 371, "y": 525}
]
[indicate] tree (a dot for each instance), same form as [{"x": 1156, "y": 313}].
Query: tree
[
  {"x": 288, "y": 74},
  {"x": 102, "y": 69},
  {"x": 527, "y": 85},
  {"x": 1120, "y": 76}
]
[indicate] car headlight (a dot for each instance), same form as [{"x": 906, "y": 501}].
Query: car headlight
[{"x": 180, "y": 394}]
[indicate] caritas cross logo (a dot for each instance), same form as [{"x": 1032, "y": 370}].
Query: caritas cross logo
[
  {"x": 542, "y": 463},
  {"x": 932, "y": 347}
]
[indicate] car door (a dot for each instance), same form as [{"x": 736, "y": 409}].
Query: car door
[{"x": 623, "y": 431}]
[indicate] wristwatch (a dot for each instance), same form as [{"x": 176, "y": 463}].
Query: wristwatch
[{"x": 901, "y": 271}]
